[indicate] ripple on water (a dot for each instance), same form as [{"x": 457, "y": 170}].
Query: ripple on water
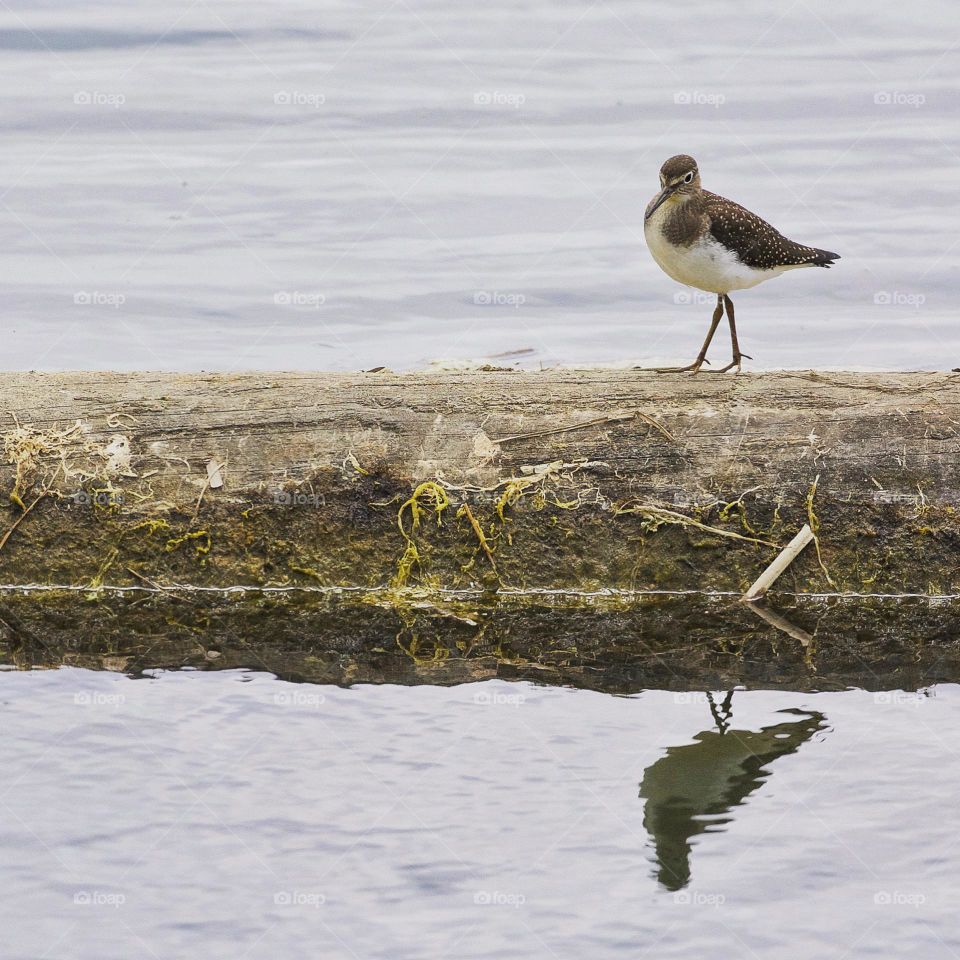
[{"x": 231, "y": 811}]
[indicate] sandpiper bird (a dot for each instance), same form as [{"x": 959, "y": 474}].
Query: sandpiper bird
[{"x": 713, "y": 244}]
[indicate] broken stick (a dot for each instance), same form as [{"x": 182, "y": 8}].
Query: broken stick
[{"x": 783, "y": 560}]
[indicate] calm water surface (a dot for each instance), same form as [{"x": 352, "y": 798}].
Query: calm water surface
[
  {"x": 238, "y": 185},
  {"x": 232, "y": 814},
  {"x": 287, "y": 185}
]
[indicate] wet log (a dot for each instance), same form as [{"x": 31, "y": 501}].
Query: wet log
[{"x": 407, "y": 489}]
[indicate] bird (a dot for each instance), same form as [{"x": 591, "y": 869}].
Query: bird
[
  {"x": 711, "y": 243},
  {"x": 695, "y": 788}
]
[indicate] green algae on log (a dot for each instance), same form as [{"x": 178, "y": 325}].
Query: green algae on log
[{"x": 482, "y": 481}]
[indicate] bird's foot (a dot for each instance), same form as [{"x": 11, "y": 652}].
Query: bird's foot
[
  {"x": 689, "y": 368},
  {"x": 735, "y": 362}
]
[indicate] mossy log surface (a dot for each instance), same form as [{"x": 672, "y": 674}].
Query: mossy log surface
[{"x": 416, "y": 493}]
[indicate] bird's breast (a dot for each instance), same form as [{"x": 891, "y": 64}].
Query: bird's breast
[{"x": 703, "y": 263}]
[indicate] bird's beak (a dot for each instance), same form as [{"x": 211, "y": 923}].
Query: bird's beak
[{"x": 665, "y": 194}]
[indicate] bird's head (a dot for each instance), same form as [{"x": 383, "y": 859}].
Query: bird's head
[{"x": 679, "y": 181}]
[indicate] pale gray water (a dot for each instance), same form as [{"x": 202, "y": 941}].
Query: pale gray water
[
  {"x": 234, "y": 815},
  {"x": 235, "y": 184}
]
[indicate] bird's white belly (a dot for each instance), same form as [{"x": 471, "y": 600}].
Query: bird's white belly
[{"x": 705, "y": 264}]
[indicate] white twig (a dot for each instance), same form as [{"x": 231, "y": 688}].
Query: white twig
[{"x": 783, "y": 560}]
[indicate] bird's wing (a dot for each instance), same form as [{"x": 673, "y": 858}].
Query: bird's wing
[{"x": 754, "y": 241}]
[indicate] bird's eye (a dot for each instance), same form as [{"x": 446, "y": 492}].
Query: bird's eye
[{"x": 688, "y": 178}]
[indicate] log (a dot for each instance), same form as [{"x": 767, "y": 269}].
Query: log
[{"x": 466, "y": 496}]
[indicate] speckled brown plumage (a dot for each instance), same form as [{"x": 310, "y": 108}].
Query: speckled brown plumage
[
  {"x": 704, "y": 214},
  {"x": 754, "y": 241},
  {"x": 706, "y": 241}
]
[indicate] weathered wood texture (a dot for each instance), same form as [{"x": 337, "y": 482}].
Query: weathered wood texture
[{"x": 316, "y": 469}]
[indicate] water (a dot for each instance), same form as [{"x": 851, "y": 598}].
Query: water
[
  {"x": 235, "y": 185},
  {"x": 232, "y": 814},
  {"x": 239, "y": 185}
]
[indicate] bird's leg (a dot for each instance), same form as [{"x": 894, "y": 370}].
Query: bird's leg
[
  {"x": 737, "y": 355},
  {"x": 723, "y": 713},
  {"x": 702, "y": 355}
]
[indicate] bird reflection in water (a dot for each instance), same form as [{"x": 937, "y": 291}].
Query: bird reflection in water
[{"x": 690, "y": 790}]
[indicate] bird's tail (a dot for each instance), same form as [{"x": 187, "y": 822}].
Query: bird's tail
[{"x": 824, "y": 258}]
